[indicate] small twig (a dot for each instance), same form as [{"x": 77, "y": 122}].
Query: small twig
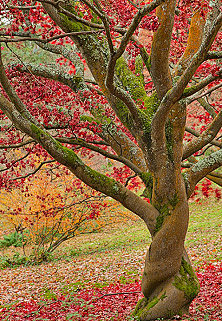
[
  {"x": 206, "y": 93},
  {"x": 128, "y": 179},
  {"x": 109, "y": 294},
  {"x": 25, "y": 38}
]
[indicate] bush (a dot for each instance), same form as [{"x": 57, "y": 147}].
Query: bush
[
  {"x": 16, "y": 260},
  {"x": 14, "y": 239}
]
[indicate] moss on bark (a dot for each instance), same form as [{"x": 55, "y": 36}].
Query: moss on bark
[
  {"x": 145, "y": 305},
  {"x": 165, "y": 211},
  {"x": 188, "y": 282}
]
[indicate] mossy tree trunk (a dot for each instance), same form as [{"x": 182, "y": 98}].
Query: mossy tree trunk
[{"x": 169, "y": 283}]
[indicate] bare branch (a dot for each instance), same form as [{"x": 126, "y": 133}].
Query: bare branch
[
  {"x": 35, "y": 171},
  {"x": 195, "y": 133},
  {"x": 205, "y": 138},
  {"x": 203, "y": 102},
  {"x": 202, "y": 168},
  {"x": 214, "y": 55},
  {"x": 209, "y": 91},
  {"x": 121, "y": 159},
  {"x": 193, "y": 89},
  {"x": 68, "y": 34},
  {"x": 14, "y": 162},
  {"x": 74, "y": 82},
  {"x": 11, "y": 146}
]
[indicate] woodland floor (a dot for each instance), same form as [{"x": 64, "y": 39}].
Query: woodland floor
[{"x": 71, "y": 286}]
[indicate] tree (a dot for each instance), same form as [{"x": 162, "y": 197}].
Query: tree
[
  {"x": 45, "y": 213},
  {"x": 131, "y": 110}
]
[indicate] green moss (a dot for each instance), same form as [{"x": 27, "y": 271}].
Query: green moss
[
  {"x": 90, "y": 119},
  {"x": 130, "y": 82},
  {"x": 124, "y": 114},
  {"x": 189, "y": 91},
  {"x": 151, "y": 104},
  {"x": 186, "y": 180},
  {"x": 148, "y": 181},
  {"x": 169, "y": 140},
  {"x": 73, "y": 26},
  {"x": 99, "y": 181},
  {"x": 139, "y": 69},
  {"x": 165, "y": 211},
  {"x": 188, "y": 282},
  {"x": 146, "y": 58},
  {"x": 144, "y": 305}
]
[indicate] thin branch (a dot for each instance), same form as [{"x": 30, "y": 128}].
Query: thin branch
[
  {"x": 209, "y": 91},
  {"x": 207, "y": 107},
  {"x": 21, "y": 7},
  {"x": 133, "y": 4},
  {"x": 193, "y": 89},
  {"x": 68, "y": 34},
  {"x": 205, "y": 138},
  {"x": 196, "y": 134},
  {"x": 103, "y": 152},
  {"x": 17, "y": 145},
  {"x": 14, "y": 162},
  {"x": 202, "y": 168},
  {"x": 35, "y": 171},
  {"x": 214, "y": 55}
]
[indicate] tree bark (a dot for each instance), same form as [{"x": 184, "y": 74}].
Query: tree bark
[{"x": 169, "y": 283}]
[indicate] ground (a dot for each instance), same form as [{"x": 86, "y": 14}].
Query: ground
[{"x": 84, "y": 269}]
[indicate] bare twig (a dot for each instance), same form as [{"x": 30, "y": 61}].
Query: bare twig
[{"x": 68, "y": 34}]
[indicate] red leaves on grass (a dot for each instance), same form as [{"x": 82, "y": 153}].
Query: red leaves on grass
[{"x": 93, "y": 305}]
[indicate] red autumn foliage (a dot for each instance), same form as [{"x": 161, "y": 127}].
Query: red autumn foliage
[{"x": 98, "y": 304}]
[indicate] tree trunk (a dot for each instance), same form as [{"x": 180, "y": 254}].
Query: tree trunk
[{"x": 169, "y": 283}]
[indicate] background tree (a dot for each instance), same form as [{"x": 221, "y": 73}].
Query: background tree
[
  {"x": 45, "y": 213},
  {"x": 131, "y": 108}
]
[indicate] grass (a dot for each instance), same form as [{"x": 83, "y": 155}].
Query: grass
[
  {"x": 125, "y": 237},
  {"x": 204, "y": 229},
  {"x": 114, "y": 256},
  {"x": 203, "y": 236}
]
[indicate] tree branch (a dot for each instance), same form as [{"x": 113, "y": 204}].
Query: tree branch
[
  {"x": 68, "y": 34},
  {"x": 35, "y": 171},
  {"x": 92, "y": 178},
  {"x": 193, "y": 89},
  {"x": 201, "y": 169},
  {"x": 205, "y": 138},
  {"x": 120, "y": 158},
  {"x": 17, "y": 145},
  {"x": 73, "y": 82},
  {"x": 117, "y": 92},
  {"x": 195, "y": 133},
  {"x": 174, "y": 94},
  {"x": 209, "y": 91},
  {"x": 214, "y": 55},
  {"x": 12, "y": 94}
]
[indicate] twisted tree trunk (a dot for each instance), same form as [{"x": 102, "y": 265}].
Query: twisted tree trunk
[{"x": 169, "y": 283}]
